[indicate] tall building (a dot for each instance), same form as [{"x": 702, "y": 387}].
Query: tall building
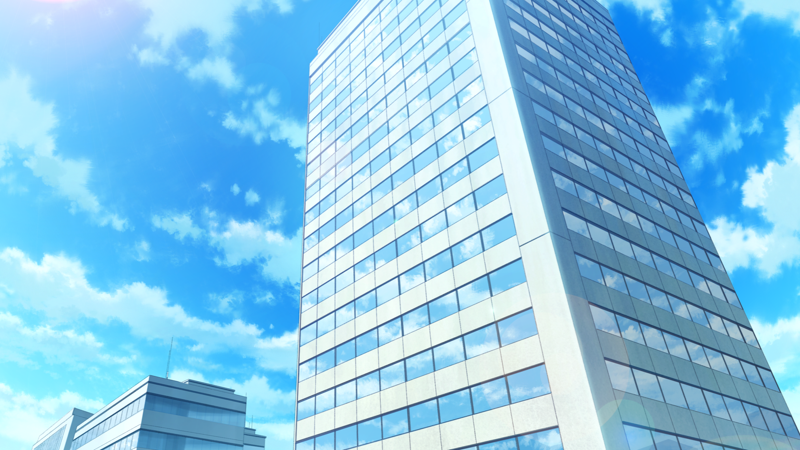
[
  {"x": 500, "y": 249},
  {"x": 159, "y": 414}
]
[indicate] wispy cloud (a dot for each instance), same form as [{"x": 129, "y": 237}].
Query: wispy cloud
[
  {"x": 772, "y": 192},
  {"x": 781, "y": 10},
  {"x": 57, "y": 288},
  {"x": 251, "y": 197},
  {"x": 74, "y": 350},
  {"x": 179, "y": 225},
  {"x": 261, "y": 121},
  {"x": 658, "y": 11},
  {"x": 242, "y": 242},
  {"x": 23, "y": 416},
  {"x": 27, "y": 134}
]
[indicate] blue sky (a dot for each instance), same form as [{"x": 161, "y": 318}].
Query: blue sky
[{"x": 150, "y": 185}]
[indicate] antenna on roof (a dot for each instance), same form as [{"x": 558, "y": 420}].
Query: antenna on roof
[{"x": 169, "y": 357}]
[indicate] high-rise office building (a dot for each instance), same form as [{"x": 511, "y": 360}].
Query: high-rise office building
[
  {"x": 159, "y": 414},
  {"x": 500, "y": 251}
]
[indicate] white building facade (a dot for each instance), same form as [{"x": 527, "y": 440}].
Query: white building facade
[{"x": 500, "y": 251}]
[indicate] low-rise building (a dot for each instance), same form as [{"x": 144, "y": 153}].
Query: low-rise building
[{"x": 159, "y": 414}]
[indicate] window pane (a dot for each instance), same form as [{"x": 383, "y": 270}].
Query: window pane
[
  {"x": 438, "y": 265},
  {"x": 528, "y": 384},
  {"x": 490, "y": 191},
  {"x": 325, "y": 361},
  {"x": 305, "y": 408},
  {"x": 307, "y": 369},
  {"x": 589, "y": 269},
  {"x": 365, "y": 303},
  {"x": 630, "y": 330},
  {"x": 387, "y": 292},
  {"x": 390, "y": 331},
  {"x": 419, "y": 365},
  {"x": 466, "y": 249},
  {"x": 384, "y": 255},
  {"x": 754, "y": 415},
  {"x": 648, "y": 385},
  {"x": 415, "y": 320},
  {"x": 517, "y": 327},
  {"x": 489, "y": 395},
  {"x": 448, "y": 354},
  {"x": 695, "y": 399},
  {"x": 411, "y": 279},
  {"x": 460, "y": 209},
  {"x": 369, "y": 431},
  {"x": 345, "y": 352},
  {"x": 621, "y": 377},
  {"x": 424, "y": 415},
  {"x": 507, "y": 277},
  {"x": 368, "y": 384},
  {"x": 638, "y": 438},
  {"x": 473, "y": 293},
  {"x": 773, "y": 423},
  {"x": 736, "y": 410},
  {"x": 433, "y": 226},
  {"x": 654, "y": 338},
  {"x": 408, "y": 241},
  {"x": 498, "y": 232},
  {"x": 346, "y": 438},
  {"x": 455, "y": 406},
  {"x": 543, "y": 440},
  {"x": 346, "y": 393},
  {"x": 665, "y": 441},
  {"x": 443, "y": 307},
  {"x": 325, "y": 401},
  {"x": 367, "y": 342},
  {"x": 604, "y": 320},
  {"x": 675, "y": 346},
  {"x": 321, "y": 442},
  {"x": 481, "y": 341},
  {"x": 393, "y": 375},
  {"x": 345, "y": 314}
]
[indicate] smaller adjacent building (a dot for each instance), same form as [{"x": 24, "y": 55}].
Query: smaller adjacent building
[
  {"x": 159, "y": 414},
  {"x": 59, "y": 436}
]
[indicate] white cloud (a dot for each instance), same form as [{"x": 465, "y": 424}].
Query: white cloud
[
  {"x": 57, "y": 288},
  {"x": 27, "y": 131},
  {"x": 658, "y": 11},
  {"x": 217, "y": 69},
  {"x": 784, "y": 10},
  {"x": 257, "y": 242},
  {"x": 170, "y": 21},
  {"x": 179, "y": 225},
  {"x": 235, "y": 189},
  {"x": 225, "y": 303},
  {"x": 141, "y": 251},
  {"x": 772, "y": 192},
  {"x": 262, "y": 122},
  {"x": 676, "y": 120},
  {"x": 23, "y": 417},
  {"x": 251, "y": 197},
  {"x": 23, "y": 344},
  {"x": 149, "y": 56}
]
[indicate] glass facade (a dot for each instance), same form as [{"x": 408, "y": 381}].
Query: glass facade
[
  {"x": 152, "y": 402},
  {"x": 151, "y": 440},
  {"x": 425, "y": 319},
  {"x": 53, "y": 442}
]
